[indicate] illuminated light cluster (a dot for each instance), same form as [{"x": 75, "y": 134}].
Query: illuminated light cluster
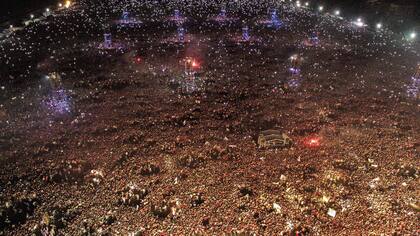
[
  {"x": 359, "y": 23},
  {"x": 195, "y": 64},
  {"x": 312, "y": 142},
  {"x": 68, "y": 3},
  {"x": 192, "y": 62},
  {"x": 138, "y": 59}
]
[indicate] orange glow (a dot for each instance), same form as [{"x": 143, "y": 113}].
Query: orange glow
[
  {"x": 195, "y": 64},
  {"x": 312, "y": 142},
  {"x": 68, "y": 3}
]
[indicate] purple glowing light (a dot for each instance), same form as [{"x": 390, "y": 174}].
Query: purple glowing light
[
  {"x": 59, "y": 103},
  {"x": 413, "y": 89},
  {"x": 294, "y": 71},
  {"x": 294, "y": 83}
]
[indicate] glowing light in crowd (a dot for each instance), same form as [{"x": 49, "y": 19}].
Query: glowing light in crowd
[
  {"x": 195, "y": 64},
  {"x": 138, "y": 59},
  {"x": 320, "y": 8},
  {"x": 32, "y": 16},
  {"x": 413, "y": 35},
  {"x": 191, "y": 62},
  {"x": 379, "y": 26},
  {"x": 359, "y": 22},
  {"x": 312, "y": 141},
  {"x": 68, "y": 3},
  {"x": 337, "y": 12}
]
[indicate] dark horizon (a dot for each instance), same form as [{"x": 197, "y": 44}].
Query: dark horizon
[
  {"x": 12, "y": 10},
  {"x": 16, "y": 11}
]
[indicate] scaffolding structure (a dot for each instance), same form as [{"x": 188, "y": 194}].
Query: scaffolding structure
[
  {"x": 413, "y": 89},
  {"x": 295, "y": 64},
  {"x": 189, "y": 83},
  {"x": 181, "y": 34},
  {"x": 107, "y": 41},
  {"x": 275, "y": 20},
  {"x": 245, "y": 33}
]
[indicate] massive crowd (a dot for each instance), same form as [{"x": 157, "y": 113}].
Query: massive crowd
[{"x": 70, "y": 107}]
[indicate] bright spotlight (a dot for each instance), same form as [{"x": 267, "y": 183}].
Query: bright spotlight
[
  {"x": 306, "y": 3},
  {"x": 359, "y": 23},
  {"x": 32, "y": 16},
  {"x": 337, "y": 13},
  {"x": 413, "y": 35},
  {"x": 47, "y": 10},
  {"x": 379, "y": 26},
  {"x": 320, "y": 8}
]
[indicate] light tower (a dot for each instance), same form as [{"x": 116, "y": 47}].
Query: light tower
[
  {"x": 181, "y": 34},
  {"x": 413, "y": 89},
  {"x": 314, "y": 39},
  {"x": 107, "y": 40},
  {"x": 190, "y": 76},
  {"x": 222, "y": 13},
  {"x": 275, "y": 21},
  {"x": 125, "y": 17},
  {"x": 295, "y": 63},
  {"x": 245, "y": 33},
  {"x": 177, "y": 15}
]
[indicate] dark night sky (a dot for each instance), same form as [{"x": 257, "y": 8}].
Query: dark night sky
[
  {"x": 19, "y": 8},
  {"x": 13, "y": 9}
]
